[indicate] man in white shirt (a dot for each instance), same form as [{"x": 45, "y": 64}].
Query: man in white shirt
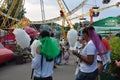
[{"x": 43, "y": 69}]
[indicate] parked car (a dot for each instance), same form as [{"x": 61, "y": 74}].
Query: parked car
[{"x": 5, "y": 54}]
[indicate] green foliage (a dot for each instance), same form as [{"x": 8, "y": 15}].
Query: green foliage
[
  {"x": 118, "y": 16},
  {"x": 115, "y": 46},
  {"x": 19, "y": 16},
  {"x": 19, "y": 50},
  {"x": 76, "y": 25},
  {"x": 67, "y": 29},
  {"x": 21, "y": 11}
]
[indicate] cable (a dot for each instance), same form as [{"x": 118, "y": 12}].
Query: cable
[{"x": 66, "y": 5}]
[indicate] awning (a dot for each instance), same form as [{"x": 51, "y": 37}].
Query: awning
[{"x": 108, "y": 22}]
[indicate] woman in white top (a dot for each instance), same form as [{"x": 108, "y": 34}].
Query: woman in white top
[{"x": 88, "y": 69}]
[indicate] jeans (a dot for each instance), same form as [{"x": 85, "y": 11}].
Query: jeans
[{"x": 87, "y": 76}]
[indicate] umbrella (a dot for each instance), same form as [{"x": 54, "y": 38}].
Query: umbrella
[{"x": 30, "y": 31}]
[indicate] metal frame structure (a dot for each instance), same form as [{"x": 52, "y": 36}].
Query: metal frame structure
[{"x": 8, "y": 15}]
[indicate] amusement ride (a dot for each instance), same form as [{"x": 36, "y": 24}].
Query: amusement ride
[
  {"x": 17, "y": 32},
  {"x": 9, "y": 18},
  {"x": 11, "y": 9},
  {"x": 14, "y": 18}
]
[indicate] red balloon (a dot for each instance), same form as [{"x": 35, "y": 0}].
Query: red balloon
[{"x": 31, "y": 31}]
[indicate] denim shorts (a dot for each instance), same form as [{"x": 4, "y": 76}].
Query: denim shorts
[{"x": 87, "y": 76}]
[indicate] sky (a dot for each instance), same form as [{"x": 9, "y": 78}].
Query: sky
[{"x": 51, "y": 7}]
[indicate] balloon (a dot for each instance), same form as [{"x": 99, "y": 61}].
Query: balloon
[
  {"x": 22, "y": 38},
  {"x": 72, "y": 36},
  {"x": 31, "y": 31}
]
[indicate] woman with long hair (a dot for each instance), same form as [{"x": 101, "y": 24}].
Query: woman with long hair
[{"x": 88, "y": 69}]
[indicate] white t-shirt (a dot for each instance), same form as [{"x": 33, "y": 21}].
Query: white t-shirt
[
  {"x": 47, "y": 66},
  {"x": 89, "y": 49}
]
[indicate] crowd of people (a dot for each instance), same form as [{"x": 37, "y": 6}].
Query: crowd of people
[
  {"x": 92, "y": 56},
  {"x": 42, "y": 68}
]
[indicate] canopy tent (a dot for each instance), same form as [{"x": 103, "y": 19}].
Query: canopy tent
[
  {"x": 107, "y": 30},
  {"x": 108, "y": 22},
  {"x": 111, "y": 31},
  {"x": 108, "y": 25}
]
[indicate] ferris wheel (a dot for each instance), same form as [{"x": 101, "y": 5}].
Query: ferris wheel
[
  {"x": 14, "y": 2},
  {"x": 9, "y": 13}
]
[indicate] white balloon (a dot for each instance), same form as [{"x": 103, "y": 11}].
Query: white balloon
[
  {"x": 72, "y": 36},
  {"x": 22, "y": 38}
]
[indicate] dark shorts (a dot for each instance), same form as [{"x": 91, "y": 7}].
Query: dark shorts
[
  {"x": 47, "y": 78},
  {"x": 87, "y": 76}
]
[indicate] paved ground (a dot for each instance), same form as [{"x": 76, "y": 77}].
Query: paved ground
[{"x": 12, "y": 71}]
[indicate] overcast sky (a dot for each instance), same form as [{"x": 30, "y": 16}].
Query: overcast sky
[{"x": 52, "y": 9}]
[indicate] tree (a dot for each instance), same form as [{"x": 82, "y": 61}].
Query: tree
[
  {"x": 115, "y": 43},
  {"x": 118, "y": 16},
  {"x": 21, "y": 11},
  {"x": 76, "y": 25},
  {"x": 19, "y": 16}
]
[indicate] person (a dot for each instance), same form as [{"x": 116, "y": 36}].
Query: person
[
  {"x": 104, "y": 59},
  {"x": 66, "y": 55},
  {"x": 79, "y": 48},
  {"x": 43, "y": 68},
  {"x": 27, "y": 53},
  {"x": 102, "y": 64},
  {"x": 117, "y": 63},
  {"x": 88, "y": 69},
  {"x": 33, "y": 46},
  {"x": 58, "y": 58}
]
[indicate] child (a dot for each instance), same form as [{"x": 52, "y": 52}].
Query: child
[{"x": 66, "y": 56}]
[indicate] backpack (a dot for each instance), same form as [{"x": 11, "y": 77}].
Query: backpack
[{"x": 49, "y": 49}]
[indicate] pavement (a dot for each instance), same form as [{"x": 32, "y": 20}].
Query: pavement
[{"x": 11, "y": 71}]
